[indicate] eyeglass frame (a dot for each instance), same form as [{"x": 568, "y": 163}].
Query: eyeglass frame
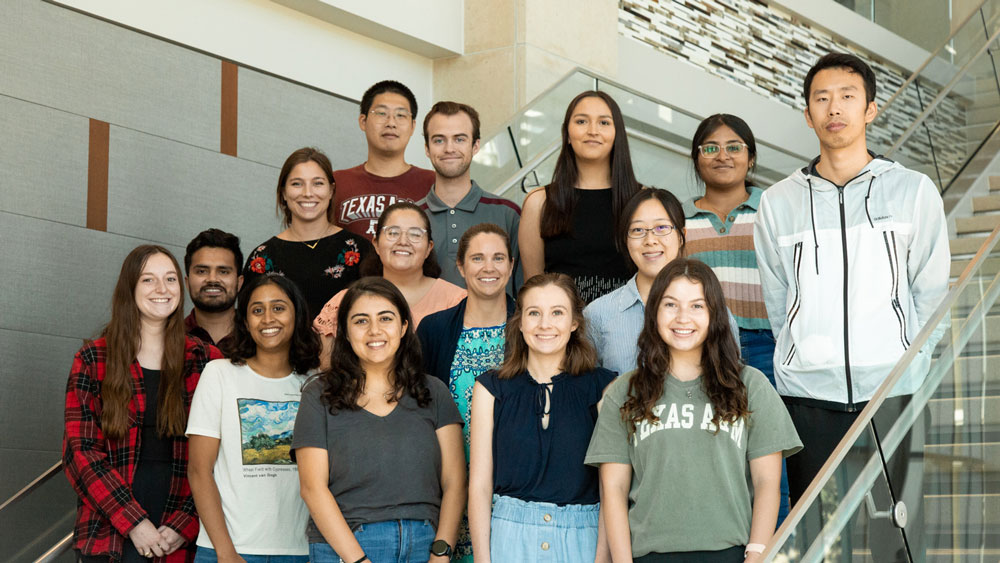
[
  {"x": 725, "y": 147},
  {"x": 389, "y": 237},
  {"x": 647, "y": 230},
  {"x": 394, "y": 115}
]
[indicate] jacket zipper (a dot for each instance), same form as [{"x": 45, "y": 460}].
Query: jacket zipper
[{"x": 847, "y": 346}]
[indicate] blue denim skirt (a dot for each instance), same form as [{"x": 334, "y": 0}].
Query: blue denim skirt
[
  {"x": 524, "y": 532},
  {"x": 391, "y": 541}
]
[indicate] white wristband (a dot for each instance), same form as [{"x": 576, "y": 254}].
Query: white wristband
[{"x": 754, "y": 548}]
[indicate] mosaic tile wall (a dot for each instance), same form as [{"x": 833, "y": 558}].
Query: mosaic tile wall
[{"x": 768, "y": 51}]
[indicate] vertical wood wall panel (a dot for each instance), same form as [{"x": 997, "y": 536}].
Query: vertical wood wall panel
[
  {"x": 97, "y": 176},
  {"x": 230, "y": 105}
]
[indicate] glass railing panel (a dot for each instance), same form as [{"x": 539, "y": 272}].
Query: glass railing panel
[
  {"x": 953, "y": 132},
  {"x": 945, "y": 443},
  {"x": 955, "y": 105},
  {"x": 923, "y": 22},
  {"x": 938, "y": 432},
  {"x": 530, "y": 132},
  {"x": 834, "y": 531},
  {"x": 38, "y": 521},
  {"x": 529, "y": 179},
  {"x": 660, "y": 167}
]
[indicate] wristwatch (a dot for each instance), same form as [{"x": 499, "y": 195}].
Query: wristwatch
[{"x": 440, "y": 547}]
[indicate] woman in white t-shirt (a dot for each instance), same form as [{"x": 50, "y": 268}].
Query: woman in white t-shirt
[{"x": 244, "y": 483}]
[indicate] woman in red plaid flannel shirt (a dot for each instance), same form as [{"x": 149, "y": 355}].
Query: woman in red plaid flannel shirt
[{"x": 132, "y": 387}]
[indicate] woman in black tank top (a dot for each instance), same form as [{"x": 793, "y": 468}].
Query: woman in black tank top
[{"x": 569, "y": 226}]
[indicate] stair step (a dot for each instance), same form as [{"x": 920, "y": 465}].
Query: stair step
[
  {"x": 990, "y": 267},
  {"x": 977, "y": 224},
  {"x": 966, "y": 245},
  {"x": 986, "y": 203},
  {"x": 995, "y": 183}
]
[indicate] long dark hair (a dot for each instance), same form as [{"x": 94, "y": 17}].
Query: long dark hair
[
  {"x": 740, "y": 127},
  {"x": 345, "y": 380},
  {"x": 670, "y": 204},
  {"x": 372, "y": 264},
  {"x": 720, "y": 355},
  {"x": 561, "y": 195},
  {"x": 581, "y": 356},
  {"x": 123, "y": 337},
  {"x": 303, "y": 354}
]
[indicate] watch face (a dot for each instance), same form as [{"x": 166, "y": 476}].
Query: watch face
[{"x": 440, "y": 547}]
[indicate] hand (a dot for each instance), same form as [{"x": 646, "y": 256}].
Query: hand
[
  {"x": 171, "y": 539},
  {"x": 439, "y": 559},
  {"x": 147, "y": 539}
]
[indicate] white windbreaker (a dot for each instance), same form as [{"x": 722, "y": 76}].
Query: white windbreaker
[{"x": 849, "y": 276}]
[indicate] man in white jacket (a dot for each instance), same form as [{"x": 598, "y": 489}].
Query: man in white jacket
[{"x": 853, "y": 257}]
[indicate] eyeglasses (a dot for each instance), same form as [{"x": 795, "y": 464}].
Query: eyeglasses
[
  {"x": 382, "y": 115},
  {"x": 659, "y": 230},
  {"x": 712, "y": 150},
  {"x": 413, "y": 234}
]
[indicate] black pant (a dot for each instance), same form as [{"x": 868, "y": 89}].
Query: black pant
[
  {"x": 731, "y": 555},
  {"x": 820, "y": 431}
]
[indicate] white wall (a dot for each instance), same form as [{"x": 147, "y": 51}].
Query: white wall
[
  {"x": 280, "y": 40},
  {"x": 432, "y": 28}
]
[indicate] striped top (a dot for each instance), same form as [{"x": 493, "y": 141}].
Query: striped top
[{"x": 727, "y": 247}]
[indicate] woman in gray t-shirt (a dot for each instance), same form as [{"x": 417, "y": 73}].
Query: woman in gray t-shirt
[
  {"x": 678, "y": 435},
  {"x": 378, "y": 442}
]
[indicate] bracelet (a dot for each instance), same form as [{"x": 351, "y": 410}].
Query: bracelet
[
  {"x": 754, "y": 548},
  {"x": 363, "y": 558}
]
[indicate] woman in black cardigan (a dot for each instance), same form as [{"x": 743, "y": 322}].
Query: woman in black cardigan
[{"x": 467, "y": 340}]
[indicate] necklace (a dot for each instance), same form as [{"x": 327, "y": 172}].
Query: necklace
[{"x": 315, "y": 241}]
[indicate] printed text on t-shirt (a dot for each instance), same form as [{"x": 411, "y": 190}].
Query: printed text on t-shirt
[{"x": 683, "y": 418}]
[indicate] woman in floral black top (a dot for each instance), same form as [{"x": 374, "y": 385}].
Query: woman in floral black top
[{"x": 320, "y": 257}]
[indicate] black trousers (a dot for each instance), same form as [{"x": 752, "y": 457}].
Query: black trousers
[
  {"x": 820, "y": 431},
  {"x": 731, "y": 555}
]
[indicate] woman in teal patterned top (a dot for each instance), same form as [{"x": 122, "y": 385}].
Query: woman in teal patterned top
[{"x": 463, "y": 342}]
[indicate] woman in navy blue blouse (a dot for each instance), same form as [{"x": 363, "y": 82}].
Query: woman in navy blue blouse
[{"x": 530, "y": 495}]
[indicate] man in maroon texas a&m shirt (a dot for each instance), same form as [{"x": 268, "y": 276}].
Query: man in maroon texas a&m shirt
[{"x": 388, "y": 116}]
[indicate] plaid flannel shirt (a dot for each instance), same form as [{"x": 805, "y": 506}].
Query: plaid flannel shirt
[{"x": 101, "y": 469}]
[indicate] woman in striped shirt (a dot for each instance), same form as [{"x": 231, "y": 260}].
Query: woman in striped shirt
[{"x": 720, "y": 234}]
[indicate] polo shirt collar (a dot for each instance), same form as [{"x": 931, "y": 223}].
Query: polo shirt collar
[
  {"x": 752, "y": 202},
  {"x": 468, "y": 203}
]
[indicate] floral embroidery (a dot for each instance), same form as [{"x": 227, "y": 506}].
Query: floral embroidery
[
  {"x": 260, "y": 265},
  {"x": 347, "y": 257}
]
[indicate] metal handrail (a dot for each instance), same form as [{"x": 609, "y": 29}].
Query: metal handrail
[
  {"x": 874, "y": 404},
  {"x": 931, "y": 58},
  {"x": 34, "y": 484},
  {"x": 62, "y": 546}
]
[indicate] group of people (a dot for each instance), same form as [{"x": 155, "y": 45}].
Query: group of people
[{"x": 415, "y": 369}]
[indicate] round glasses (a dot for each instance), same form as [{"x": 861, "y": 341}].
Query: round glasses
[
  {"x": 382, "y": 115},
  {"x": 712, "y": 150},
  {"x": 659, "y": 230},
  {"x": 413, "y": 234}
]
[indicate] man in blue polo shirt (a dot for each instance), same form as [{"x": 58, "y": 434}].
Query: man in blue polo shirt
[{"x": 456, "y": 202}]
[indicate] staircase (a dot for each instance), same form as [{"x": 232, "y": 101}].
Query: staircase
[{"x": 972, "y": 231}]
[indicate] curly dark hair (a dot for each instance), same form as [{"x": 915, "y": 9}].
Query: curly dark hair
[
  {"x": 720, "y": 354},
  {"x": 345, "y": 380},
  {"x": 305, "y": 346}
]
